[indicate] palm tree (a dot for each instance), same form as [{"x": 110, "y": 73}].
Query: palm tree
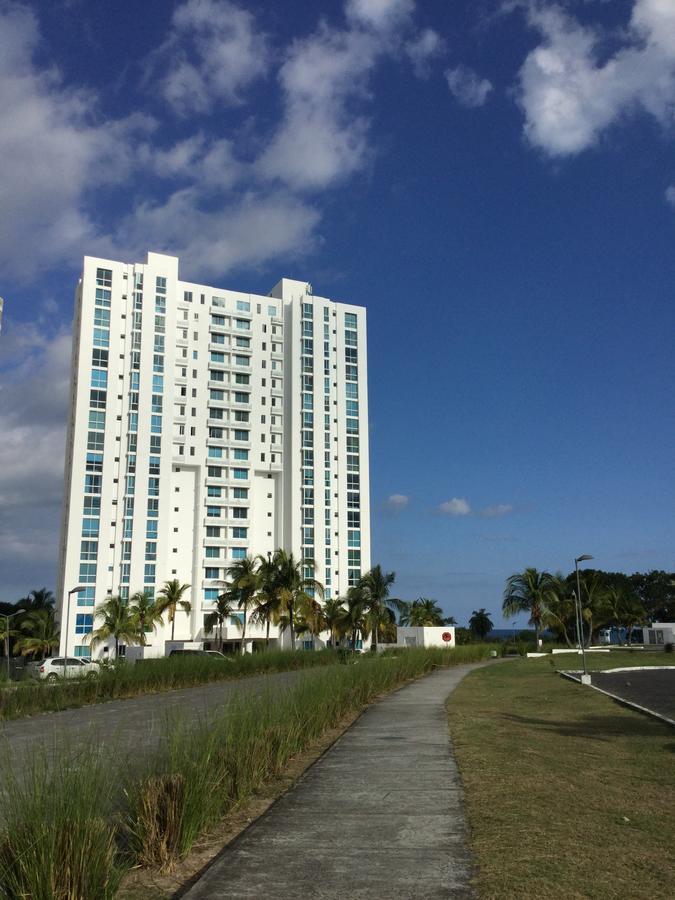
[
  {"x": 116, "y": 622},
  {"x": 528, "y": 591},
  {"x": 593, "y": 599},
  {"x": 40, "y": 632},
  {"x": 355, "y": 616},
  {"x": 144, "y": 613},
  {"x": 244, "y": 582},
  {"x": 449, "y": 620},
  {"x": 404, "y": 612},
  {"x": 267, "y": 599},
  {"x": 224, "y": 608},
  {"x": 560, "y": 608},
  {"x": 480, "y": 622},
  {"x": 375, "y": 586},
  {"x": 293, "y": 585},
  {"x": 624, "y": 608},
  {"x": 334, "y": 616},
  {"x": 425, "y": 612},
  {"x": 38, "y": 599},
  {"x": 311, "y": 618},
  {"x": 171, "y": 597}
]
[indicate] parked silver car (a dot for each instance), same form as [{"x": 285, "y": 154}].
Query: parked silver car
[{"x": 53, "y": 668}]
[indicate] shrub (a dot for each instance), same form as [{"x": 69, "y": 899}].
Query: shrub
[{"x": 58, "y": 836}]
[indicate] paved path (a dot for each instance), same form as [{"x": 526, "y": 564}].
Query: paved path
[
  {"x": 378, "y": 816},
  {"x": 128, "y": 725}
]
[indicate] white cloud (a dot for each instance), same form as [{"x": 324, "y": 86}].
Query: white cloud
[
  {"x": 245, "y": 230},
  {"x": 52, "y": 150},
  {"x": 397, "y": 502},
  {"x": 32, "y": 424},
  {"x": 467, "y": 86},
  {"x": 213, "y": 53},
  {"x": 379, "y": 14},
  {"x": 424, "y": 47},
  {"x": 323, "y": 135},
  {"x": 499, "y": 509},
  {"x": 570, "y": 95},
  {"x": 458, "y": 506},
  {"x": 670, "y": 195}
]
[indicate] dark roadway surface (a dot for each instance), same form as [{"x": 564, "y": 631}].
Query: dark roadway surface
[
  {"x": 127, "y": 725},
  {"x": 651, "y": 688}
]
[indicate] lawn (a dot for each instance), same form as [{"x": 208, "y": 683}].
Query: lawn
[{"x": 568, "y": 794}]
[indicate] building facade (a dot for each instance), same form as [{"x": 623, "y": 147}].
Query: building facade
[{"x": 207, "y": 425}]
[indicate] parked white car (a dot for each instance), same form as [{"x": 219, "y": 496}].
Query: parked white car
[{"x": 52, "y": 668}]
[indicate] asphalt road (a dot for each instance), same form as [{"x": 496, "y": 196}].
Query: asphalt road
[
  {"x": 134, "y": 724},
  {"x": 651, "y": 688}
]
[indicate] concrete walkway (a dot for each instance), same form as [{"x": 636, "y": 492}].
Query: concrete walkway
[{"x": 378, "y": 816}]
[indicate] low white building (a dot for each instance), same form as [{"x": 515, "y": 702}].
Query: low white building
[
  {"x": 425, "y": 636},
  {"x": 659, "y": 633}
]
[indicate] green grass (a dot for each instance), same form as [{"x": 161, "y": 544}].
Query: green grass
[
  {"x": 74, "y": 826},
  {"x": 568, "y": 795},
  {"x": 150, "y": 676}
]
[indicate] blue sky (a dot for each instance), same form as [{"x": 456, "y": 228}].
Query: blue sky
[{"x": 494, "y": 181}]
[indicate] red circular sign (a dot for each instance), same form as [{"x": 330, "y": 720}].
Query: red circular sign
[{"x": 447, "y": 636}]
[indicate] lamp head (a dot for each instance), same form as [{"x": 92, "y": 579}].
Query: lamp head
[
  {"x": 78, "y": 589},
  {"x": 582, "y": 558}
]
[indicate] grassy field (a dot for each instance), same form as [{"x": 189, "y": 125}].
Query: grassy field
[
  {"x": 70, "y": 832},
  {"x": 568, "y": 795}
]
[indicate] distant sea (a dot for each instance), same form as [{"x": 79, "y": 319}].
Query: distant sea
[{"x": 503, "y": 633}]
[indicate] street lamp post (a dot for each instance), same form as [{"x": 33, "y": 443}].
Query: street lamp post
[
  {"x": 7, "y": 618},
  {"x": 585, "y": 678},
  {"x": 75, "y": 590}
]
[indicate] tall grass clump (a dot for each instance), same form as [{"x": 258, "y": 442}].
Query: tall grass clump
[
  {"x": 58, "y": 837},
  {"x": 152, "y": 676}
]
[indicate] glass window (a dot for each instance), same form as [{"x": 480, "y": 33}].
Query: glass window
[
  {"x": 239, "y": 532},
  {"x": 94, "y": 462},
  {"x": 102, "y": 297},
  {"x": 217, "y": 357},
  {"x": 211, "y": 572},
  {"x": 239, "y": 512},
  {"x": 215, "y": 452},
  {"x": 214, "y": 472},
  {"x": 242, "y": 324},
  {"x": 240, "y": 378},
  {"x": 240, "y": 493},
  {"x": 241, "y": 397},
  {"x": 307, "y": 311},
  {"x": 90, "y": 527},
  {"x": 213, "y": 512},
  {"x": 243, "y": 306},
  {"x": 88, "y": 550},
  {"x": 239, "y": 552},
  {"x": 212, "y": 531},
  {"x": 212, "y": 552},
  {"x": 84, "y": 623},
  {"x": 104, "y": 278},
  {"x": 350, "y": 320},
  {"x": 211, "y": 594},
  {"x": 240, "y": 474},
  {"x": 99, "y": 358}
]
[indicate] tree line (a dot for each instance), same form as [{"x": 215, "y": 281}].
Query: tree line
[
  {"x": 278, "y": 589},
  {"x": 607, "y": 598}
]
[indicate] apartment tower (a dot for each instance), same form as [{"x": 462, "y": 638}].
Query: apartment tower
[{"x": 206, "y": 425}]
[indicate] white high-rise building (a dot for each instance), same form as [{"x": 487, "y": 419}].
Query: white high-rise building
[{"x": 208, "y": 424}]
